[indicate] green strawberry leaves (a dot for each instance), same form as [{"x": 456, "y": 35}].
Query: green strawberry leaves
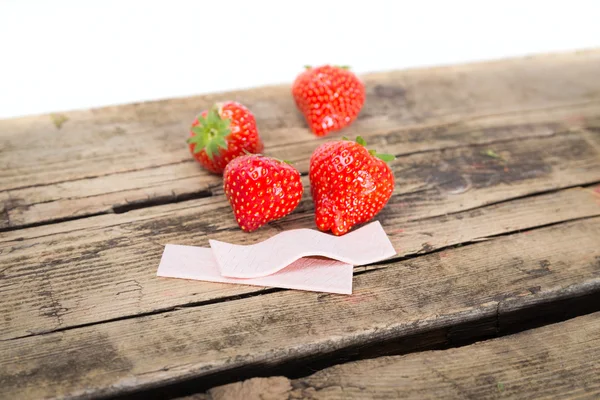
[
  {"x": 211, "y": 132},
  {"x": 383, "y": 157}
]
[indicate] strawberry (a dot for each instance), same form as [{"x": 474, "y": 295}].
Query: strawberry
[
  {"x": 261, "y": 189},
  {"x": 330, "y": 97},
  {"x": 226, "y": 131},
  {"x": 349, "y": 184}
]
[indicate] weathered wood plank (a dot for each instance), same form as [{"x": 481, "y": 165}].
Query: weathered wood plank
[
  {"x": 173, "y": 182},
  {"x": 409, "y": 297},
  {"x": 100, "y": 160},
  {"x": 53, "y": 279},
  {"x": 556, "y": 361},
  {"x": 168, "y": 183}
]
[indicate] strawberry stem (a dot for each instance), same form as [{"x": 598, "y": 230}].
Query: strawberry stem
[
  {"x": 383, "y": 157},
  {"x": 282, "y": 161},
  {"x": 211, "y": 132}
]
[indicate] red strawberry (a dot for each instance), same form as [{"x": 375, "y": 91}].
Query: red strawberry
[
  {"x": 349, "y": 184},
  {"x": 261, "y": 189},
  {"x": 330, "y": 97},
  {"x": 226, "y": 131}
]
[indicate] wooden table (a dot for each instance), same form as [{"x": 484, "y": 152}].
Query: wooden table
[{"x": 495, "y": 215}]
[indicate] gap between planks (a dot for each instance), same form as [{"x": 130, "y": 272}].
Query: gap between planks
[{"x": 554, "y": 361}]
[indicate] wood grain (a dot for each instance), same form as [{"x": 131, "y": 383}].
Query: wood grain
[
  {"x": 556, "y": 361},
  {"x": 437, "y": 290},
  {"x": 106, "y": 160},
  {"x": 103, "y": 268}
]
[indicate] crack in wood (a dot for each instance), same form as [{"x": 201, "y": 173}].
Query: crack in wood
[
  {"x": 486, "y": 144},
  {"x": 118, "y": 209},
  {"x": 503, "y": 319},
  {"x": 162, "y": 200},
  {"x": 154, "y": 312},
  {"x": 83, "y": 178},
  {"x": 507, "y": 200},
  {"x": 52, "y": 221}
]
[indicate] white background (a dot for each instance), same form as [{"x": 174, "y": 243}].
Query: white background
[{"x": 61, "y": 55}]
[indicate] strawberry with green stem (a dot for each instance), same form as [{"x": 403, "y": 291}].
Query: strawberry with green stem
[
  {"x": 226, "y": 131},
  {"x": 349, "y": 184}
]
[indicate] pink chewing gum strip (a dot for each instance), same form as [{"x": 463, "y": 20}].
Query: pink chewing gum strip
[
  {"x": 363, "y": 246},
  {"x": 312, "y": 274}
]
